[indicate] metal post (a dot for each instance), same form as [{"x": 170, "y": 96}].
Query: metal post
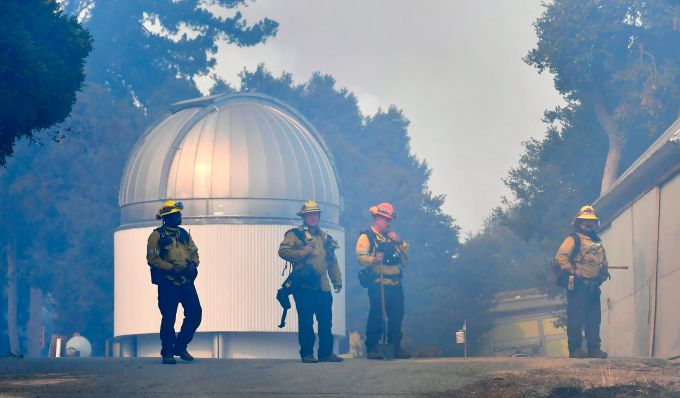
[
  {"x": 465, "y": 334},
  {"x": 461, "y": 338},
  {"x": 216, "y": 345}
]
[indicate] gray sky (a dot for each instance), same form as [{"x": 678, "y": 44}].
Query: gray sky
[{"x": 454, "y": 67}]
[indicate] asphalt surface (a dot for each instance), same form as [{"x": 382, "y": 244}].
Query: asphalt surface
[
  {"x": 107, "y": 377},
  {"x": 431, "y": 378}
]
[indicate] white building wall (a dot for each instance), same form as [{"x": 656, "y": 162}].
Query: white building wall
[
  {"x": 667, "y": 335},
  {"x": 239, "y": 275},
  {"x": 236, "y": 345},
  {"x": 617, "y": 295},
  {"x": 640, "y": 314}
]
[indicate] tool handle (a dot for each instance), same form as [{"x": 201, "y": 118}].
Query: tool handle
[
  {"x": 283, "y": 318},
  {"x": 618, "y": 267}
]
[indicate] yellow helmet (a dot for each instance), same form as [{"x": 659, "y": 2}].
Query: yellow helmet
[
  {"x": 309, "y": 206},
  {"x": 169, "y": 207},
  {"x": 586, "y": 213}
]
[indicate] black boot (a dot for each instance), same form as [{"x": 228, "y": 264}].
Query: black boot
[
  {"x": 330, "y": 358},
  {"x": 399, "y": 353},
  {"x": 577, "y": 353},
  {"x": 184, "y": 354},
  {"x": 374, "y": 354},
  {"x": 597, "y": 353},
  {"x": 309, "y": 359},
  {"x": 169, "y": 360}
]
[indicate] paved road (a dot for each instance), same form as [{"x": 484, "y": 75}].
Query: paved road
[{"x": 106, "y": 377}]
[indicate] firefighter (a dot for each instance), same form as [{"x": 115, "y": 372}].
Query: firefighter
[
  {"x": 173, "y": 259},
  {"x": 583, "y": 256},
  {"x": 311, "y": 251},
  {"x": 385, "y": 254}
]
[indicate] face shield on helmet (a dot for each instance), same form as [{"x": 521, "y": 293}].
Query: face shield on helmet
[{"x": 169, "y": 207}]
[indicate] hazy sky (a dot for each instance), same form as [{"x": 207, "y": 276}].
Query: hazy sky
[{"x": 454, "y": 67}]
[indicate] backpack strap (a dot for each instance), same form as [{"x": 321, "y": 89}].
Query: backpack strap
[
  {"x": 576, "y": 250},
  {"x": 300, "y": 234},
  {"x": 183, "y": 236},
  {"x": 162, "y": 241},
  {"x": 165, "y": 238},
  {"x": 372, "y": 237},
  {"x": 161, "y": 231}
]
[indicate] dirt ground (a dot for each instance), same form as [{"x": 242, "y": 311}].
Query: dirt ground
[
  {"x": 555, "y": 378},
  {"x": 442, "y": 377}
]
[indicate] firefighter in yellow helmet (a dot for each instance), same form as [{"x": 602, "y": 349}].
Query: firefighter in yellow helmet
[
  {"x": 384, "y": 254},
  {"x": 583, "y": 260},
  {"x": 311, "y": 251},
  {"x": 173, "y": 259}
]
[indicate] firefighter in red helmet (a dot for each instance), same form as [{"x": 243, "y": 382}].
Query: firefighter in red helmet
[{"x": 384, "y": 254}]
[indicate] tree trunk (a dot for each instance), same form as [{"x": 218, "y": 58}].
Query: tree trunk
[
  {"x": 616, "y": 141},
  {"x": 35, "y": 323},
  {"x": 12, "y": 330}
]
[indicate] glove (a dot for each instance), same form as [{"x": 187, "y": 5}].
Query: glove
[
  {"x": 603, "y": 276},
  {"x": 177, "y": 272},
  {"x": 191, "y": 270}
]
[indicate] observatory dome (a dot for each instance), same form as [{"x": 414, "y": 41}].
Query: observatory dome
[{"x": 229, "y": 157}]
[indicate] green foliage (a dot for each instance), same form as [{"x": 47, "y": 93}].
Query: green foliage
[
  {"x": 624, "y": 48},
  {"x": 63, "y": 217},
  {"x": 554, "y": 178},
  {"x": 155, "y": 67},
  {"x": 61, "y": 200},
  {"x": 619, "y": 57},
  {"x": 615, "y": 63},
  {"x": 617, "y": 53},
  {"x": 490, "y": 261},
  {"x": 42, "y": 57}
]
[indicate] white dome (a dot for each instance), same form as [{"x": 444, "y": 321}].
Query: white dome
[{"x": 230, "y": 157}]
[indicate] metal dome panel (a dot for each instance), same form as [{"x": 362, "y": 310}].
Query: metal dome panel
[{"x": 233, "y": 156}]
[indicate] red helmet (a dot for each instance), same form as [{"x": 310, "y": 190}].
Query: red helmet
[{"x": 384, "y": 209}]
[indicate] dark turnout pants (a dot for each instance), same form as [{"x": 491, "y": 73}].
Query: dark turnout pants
[
  {"x": 583, "y": 312},
  {"x": 310, "y": 303},
  {"x": 394, "y": 308},
  {"x": 169, "y": 296}
]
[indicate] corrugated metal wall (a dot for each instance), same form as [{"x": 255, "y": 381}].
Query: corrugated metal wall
[
  {"x": 667, "y": 329},
  {"x": 229, "y": 345},
  {"x": 640, "y": 305},
  {"x": 617, "y": 293},
  {"x": 239, "y": 274}
]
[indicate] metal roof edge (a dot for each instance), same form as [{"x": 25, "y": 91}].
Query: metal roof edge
[{"x": 657, "y": 164}]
